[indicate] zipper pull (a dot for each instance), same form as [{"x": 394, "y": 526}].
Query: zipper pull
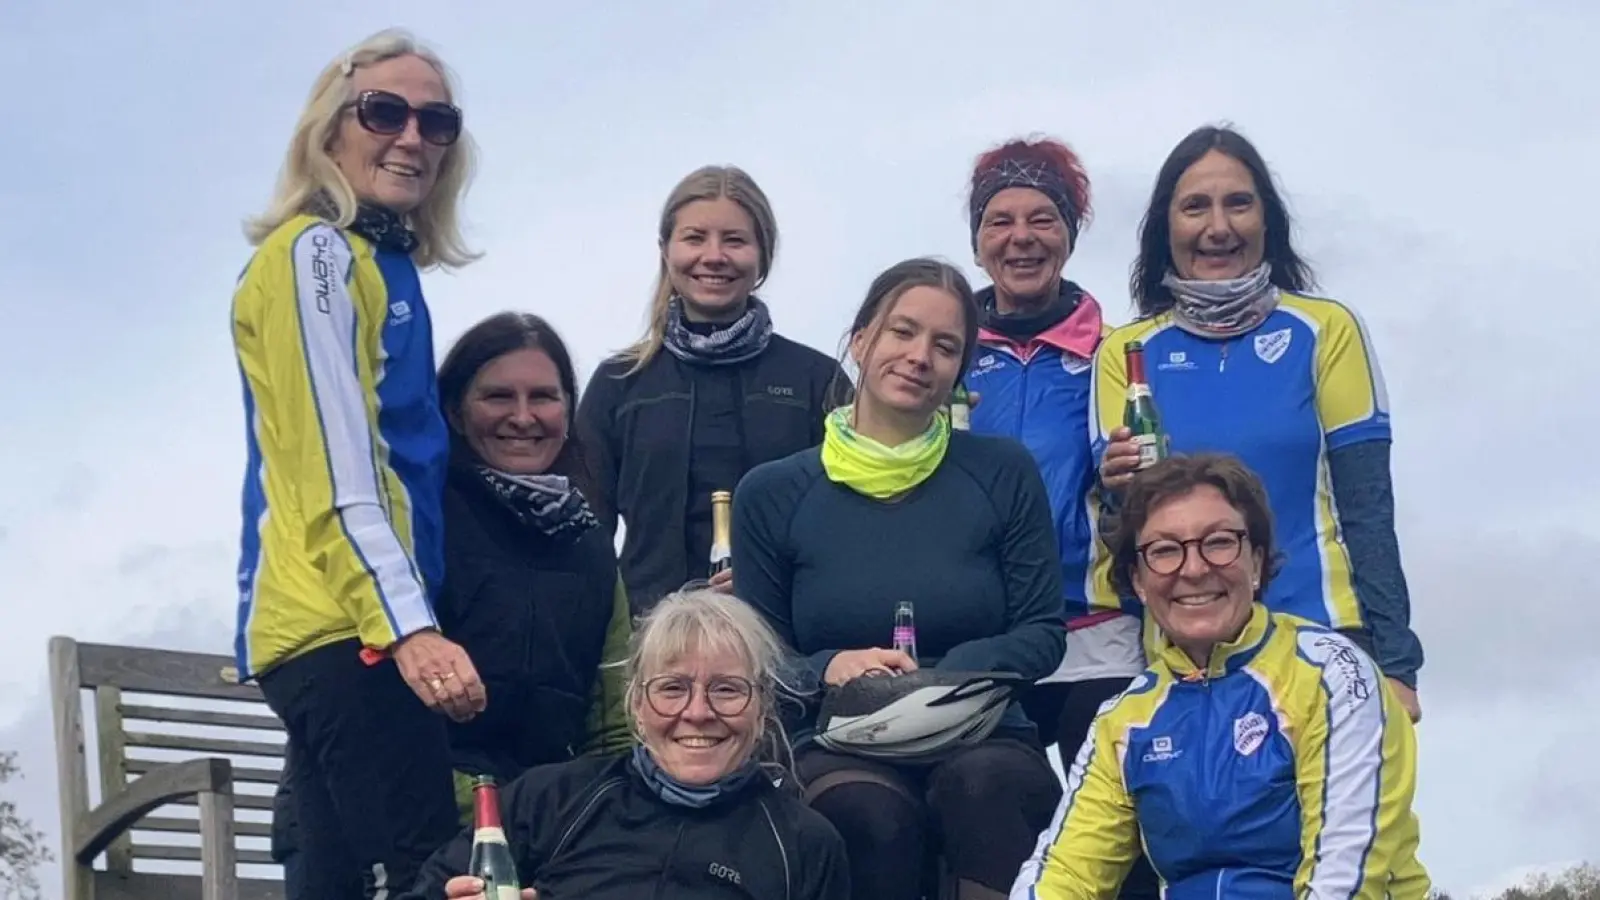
[{"x": 1222, "y": 363}]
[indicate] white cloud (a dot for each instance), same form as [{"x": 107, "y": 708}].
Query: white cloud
[{"x": 1438, "y": 164}]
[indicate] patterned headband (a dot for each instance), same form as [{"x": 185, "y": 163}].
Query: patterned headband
[{"x": 1040, "y": 176}]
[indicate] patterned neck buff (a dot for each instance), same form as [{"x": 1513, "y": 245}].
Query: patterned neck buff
[
  {"x": 736, "y": 342},
  {"x": 1226, "y": 308}
]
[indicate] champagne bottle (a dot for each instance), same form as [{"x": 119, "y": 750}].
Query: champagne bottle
[
  {"x": 721, "y": 531},
  {"x": 905, "y": 629},
  {"x": 960, "y": 408},
  {"x": 1140, "y": 414},
  {"x": 491, "y": 855}
]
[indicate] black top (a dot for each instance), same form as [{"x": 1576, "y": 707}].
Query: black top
[
  {"x": 592, "y": 829},
  {"x": 716, "y": 452},
  {"x": 532, "y": 612},
  {"x": 639, "y": 433},
  {"x": 973, "y": 547}
]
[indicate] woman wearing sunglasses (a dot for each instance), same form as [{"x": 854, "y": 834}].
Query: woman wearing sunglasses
[
  {"x": 341, "y": 550},
  {"x": 693, "y": 811}
]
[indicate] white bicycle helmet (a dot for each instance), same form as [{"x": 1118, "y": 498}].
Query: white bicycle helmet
[{"x": 915, "y": 716}]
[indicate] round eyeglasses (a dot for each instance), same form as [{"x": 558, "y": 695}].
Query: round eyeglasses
[
  {"x": 727, "y": 695},
  {"x": 1219, "y": 549}
]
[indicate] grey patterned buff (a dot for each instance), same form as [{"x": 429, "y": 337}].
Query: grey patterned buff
[
  {"x": 547, "y": 502},
  {"x": 1014, "y": 173},
  {"x": 1226, "y": 308},
  {"x": 739, "y": 341}
]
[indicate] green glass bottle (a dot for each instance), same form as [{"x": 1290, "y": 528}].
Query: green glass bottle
[
  {"x": 1140, "y": 414},
  {"x": 491, "y": 854}
]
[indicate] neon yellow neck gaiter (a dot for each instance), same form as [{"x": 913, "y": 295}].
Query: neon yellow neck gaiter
[{"x": 862, "y": 464}]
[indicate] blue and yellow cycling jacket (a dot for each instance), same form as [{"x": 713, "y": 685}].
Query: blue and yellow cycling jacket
[
  {"x": 1304, "y": 382},
  {"x": 1286, "y": 768},
  {"x": 1039, "y": 394},
  {"x": 346, "y": 446}
]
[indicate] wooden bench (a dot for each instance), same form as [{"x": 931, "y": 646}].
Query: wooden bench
[{"x": 167, "y": 767}]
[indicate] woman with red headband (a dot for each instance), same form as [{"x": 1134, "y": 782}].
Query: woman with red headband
[{"x": 1029, "y": 199}]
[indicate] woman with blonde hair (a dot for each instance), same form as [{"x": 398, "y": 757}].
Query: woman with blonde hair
[
  {"x": 341, "y": 551},
  {"x": 694, "y": 810},
  {"x": 707, "y": 394}
]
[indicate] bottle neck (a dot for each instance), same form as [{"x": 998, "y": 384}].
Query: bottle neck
[
  {"x": 1136, "y": 367},
  {"x": 486, "y": 807}
]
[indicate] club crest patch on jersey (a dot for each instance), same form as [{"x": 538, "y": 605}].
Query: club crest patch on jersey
[
  {"x": 1271, "y": 346},
  {"x": 1249, "y": 733}
]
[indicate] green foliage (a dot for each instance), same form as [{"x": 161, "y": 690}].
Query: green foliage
[{"x": 21, "y": 845}]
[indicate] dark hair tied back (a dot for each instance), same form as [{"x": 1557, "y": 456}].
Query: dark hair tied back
[{"x": 892, "y": 284}]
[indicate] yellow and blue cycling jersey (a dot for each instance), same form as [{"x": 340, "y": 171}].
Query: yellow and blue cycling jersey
[
  {"x": 346, "y": 446},
  {"x": 1304, "y": 382},
  {"x": 1286, "y": 768},
  {"x": 1038, "y": 393}
]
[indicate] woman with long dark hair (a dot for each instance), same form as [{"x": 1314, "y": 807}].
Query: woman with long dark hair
[
  {"x": 1242, "y": 359},
  {"x": 531, "y": 588}
]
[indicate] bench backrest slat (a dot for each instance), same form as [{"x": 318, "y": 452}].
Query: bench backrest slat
[
  {"x": 172, "y": 672},
  {"x": 200, "y": 717}
]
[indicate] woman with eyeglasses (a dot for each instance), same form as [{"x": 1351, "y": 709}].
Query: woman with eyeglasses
[
  {"x": 1261, "y": 755},
  {"x": 1242, "y": 359},
  {"x": 694, "y": 811},
  {"x": 341, "y": 551}
]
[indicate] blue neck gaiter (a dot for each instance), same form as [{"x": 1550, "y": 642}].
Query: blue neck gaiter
[{"x": 697, "y": 796}]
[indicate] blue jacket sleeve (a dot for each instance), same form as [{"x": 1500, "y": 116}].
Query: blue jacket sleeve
[
  {"x": 1363, "y": 492},
  {"x": 1030, "y": 564}
]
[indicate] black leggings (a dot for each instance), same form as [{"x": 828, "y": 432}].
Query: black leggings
[
  {"x": 982, "y": 808},
  {"x": 371, "y": 787},
  {"x": 1063, "y": 711}
]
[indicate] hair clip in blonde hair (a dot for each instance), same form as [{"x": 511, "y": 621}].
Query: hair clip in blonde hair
[{"x": 349, "y": 65}]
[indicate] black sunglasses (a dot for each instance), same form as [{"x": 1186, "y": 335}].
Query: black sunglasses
[{"x": 382, "y": 112}]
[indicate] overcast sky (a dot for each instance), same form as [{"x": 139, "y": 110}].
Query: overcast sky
[{"x": 1440, "y": 159}]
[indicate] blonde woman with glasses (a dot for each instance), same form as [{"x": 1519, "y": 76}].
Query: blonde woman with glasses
[
  {"x": 694, "y": 811},
  {"x": 340, "y": 551}
]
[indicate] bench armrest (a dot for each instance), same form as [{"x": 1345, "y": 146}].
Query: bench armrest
[{"x": 163, "y": 785}]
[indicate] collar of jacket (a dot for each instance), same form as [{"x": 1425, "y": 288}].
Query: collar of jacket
[
  {"x": 1226, "y": 658},
  {"x": 1079, "y": 333}
]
